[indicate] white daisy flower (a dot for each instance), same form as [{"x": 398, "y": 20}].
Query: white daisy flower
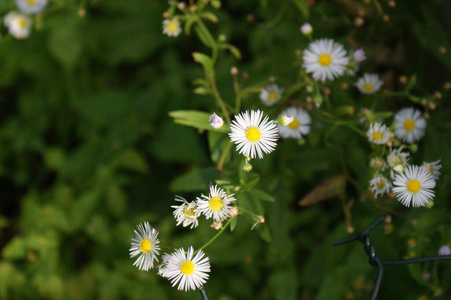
[
  {"x": 146, "y": 244},
  {"x": 410, "y": 125},
  {"x": 414, "y": 186},
  {"x": 19, "y": 25},
  {"x": 271, "y": 94},
  {"x": 325, "y": 59},
  {"x": 172, "y": 27},
  {"x": 378, "y": 133},
  {"x": 369, "y": 83},
  {"x": 31, "y": 6},
  {"x": 186, "y": 213},
  {"x": 216, "y": 204},
  {"x": 216, "y": 121},
  {"x": 380, "y": 185},
  {"x": 253, "y": 135},
  {"x": 297, "y": 128},
  {"x": 433, "y": 168},
  {"x": 359, "y": 55},
  {"x": 396, "y": 157},
  {"x": 190, "y": 273},
  {"x": 378, "y": 163}
]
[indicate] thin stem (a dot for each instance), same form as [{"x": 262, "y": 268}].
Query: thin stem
[
  {"x": 223, "y": 157},
  {"x": 214, "y": 89},
  {"x": 215, "y": 237},
  {"x": 203, "y": 293}
]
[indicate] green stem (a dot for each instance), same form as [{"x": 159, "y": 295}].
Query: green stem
[
  {"x": 215, "y": 237},
  {"x": 214, "y": 89},
  {"x": 223, "y": 157}
]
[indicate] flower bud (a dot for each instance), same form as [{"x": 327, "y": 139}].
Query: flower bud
[
  {"x": 359, "y": 55},
  {"x": 216, "y": 121},
  {"x": 284, "y": 120},
  {"x": 306, "y": 29}
]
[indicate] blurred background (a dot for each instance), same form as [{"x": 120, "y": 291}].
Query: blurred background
[{"x": 88, "y": 151}]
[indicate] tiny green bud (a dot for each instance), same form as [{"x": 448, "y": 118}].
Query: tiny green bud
[
  {"x": 284, "y": 120},
  {"x": 414, "y": 148},
  {"x": 399, "y": 168},
  {"x": 318, "y": 100},
  {"x": 247, "y": 167},
  {"x": 301, "y": 141},
  {"x": 216, "y": 4},
  {"x": 222, "y": 38},
  {"x": 430, "y": 204},
  {"x": 309, "y": 88}
]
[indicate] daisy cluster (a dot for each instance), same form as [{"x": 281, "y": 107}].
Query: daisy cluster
[
  {"x": 19, "y": 22},
  {"x": 412, "y": 185}
]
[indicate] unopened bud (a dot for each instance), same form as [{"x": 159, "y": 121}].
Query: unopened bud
[
  {"x": 271, "y": 79},
  {"x": 234, "y": 212},
  {"x": 247, "y": 167},
  {"x": 442, "y": 50},
  {"x": 285, "y": 120},
  {"x": 181, "y": 5},
  {"x": 344, "y": 85},
  {"x": 216, "y": 121},
  {"x": 403, "y": 79},
  {"x": 447, "y": 85},
  {"x": 386, "y": 18},
  {"x": 359, "y": 21},
  {"x": 216, "y": 225},
  {"x": 430, "y": 204},
  {"x": 216, "y": 4},
  {"x": 392, "y": 3},
  {"x": 432, "y": 106},
  {"x": 399, "y": 168},
  {"x": 166, "y": 15},
  {"x": 222, "y": 38},
  {"x": 413, "y": 148},
  {"x": 318, "y": 100},
  {"x": 306, "y": 29},
  {"x": 82, "y": 12},
  {"x": 438, "y": 95},
  {"x": 234, "y": 71}
]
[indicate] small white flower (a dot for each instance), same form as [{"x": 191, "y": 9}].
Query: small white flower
[
  {"x": 253, "y": 135},
  {"x": 146, "y": 244},
  {"x": 396, "y": 158},
  {"x": 359, "y": 55},
  {"x": 271, "y": 94},
  {"x": 19, "y": 25},
  {"x": 378, "y": 163},
  {"x": 433, "y": 168},
  {"x": 325, "y": 59},
  {"x": 190, "y": 273},
  {"x": 378, "y": 133},
  {"x": 186, "y": 213},
  {"x": 414, "y": 186},
  {"x": 216, "y": 204},
  {"x": 216, "y": 121},
  {"x": 306, "y": 29},
  {"x": 172, "y": 27},
  {"x": 300, "y": 125},
  {"x": 369, "y": 83},
  {"x": 31, "y": 6},
  {"x": 444, "y": 250},
  {"x": 410, "y": 125},
  {"x": 380, "y": 185}
]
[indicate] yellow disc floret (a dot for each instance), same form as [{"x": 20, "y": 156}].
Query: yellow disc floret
[
  {"x": 253, "y": 134},
  {"x": 409, "y": 124},
  {"x": 172, "y": 26},
  {"x": 187, "y": 267},
  {"x": 294, "y": 124},
  {"x": 215, "y": 204},
  {"x": 368, "y": 87},
  {"x": 380, "y": 184},
  {"x": 325, "y": 60},
  {"x": 377, "y": 136},
  {"x": 31, "y": 2},
  {"x": 189, "y": 211},
  {"x": 145, "y": 246},
  {"x": 414, "y": 186}
]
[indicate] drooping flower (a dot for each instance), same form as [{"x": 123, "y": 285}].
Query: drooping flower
[
  {"x": 414, "y": 186},
  {"x": 187, "y": 270},
  {"x": 271, "y": 94},
  {"x": 31, "y": 6},
  {"x": 410, "y": 125},
  {"x": 378, "y": 133},
  {"x": 253, "y": 135},
  {"x": 380, "y": 185},
  {"x": 172, "y": 27},
  {"x": 186, "y": 213},
  {"x": 306, "y": 29},
  {"x": 325, "y": 59},
  {"x": 216, "y": 204},
  {"x": 216, "y": 121},
  {"x": 369, "y": 83},
  {"x": 359, "y": 55},
  {"x": 433, "y": 168},
  {"x": 297, "y": 128},
  {"x": 145, "y": 244}
]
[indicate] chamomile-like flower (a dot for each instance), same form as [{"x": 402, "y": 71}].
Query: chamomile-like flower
[
  {"x": 414, "y": 186},
  {"x": 369, "y": 83},
  {"x": 297, "y": 128},
  {"x": 397, "y": 157},
  {"x": 19, "y": 25},
  {"x": 378, "y": 163},
  {"x": 325, "y": 59},
  {"x": 190, "y": 273},
  {"x": 433, "y": 168},
  {"x": 380, "y": 185},
  {"x": 378, "y": 133},
  {"x": 271, "y": 94},
  {"x": 172, "y": 27},
  {"x": 253, "y": 135},
  {"x": 31, "y": 6},
  {"x": 410, "y": 125},
  {"x": 145, "y": 244},
  {"x": 186, "y": 213},
  {"x": 216, "y": 204}
]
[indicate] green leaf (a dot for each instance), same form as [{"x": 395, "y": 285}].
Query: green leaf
[
  {"x": 369, "y": 116},
  {"x": 209, "y": 16},
  {"x": 204, "y": 38},
  {"x": 196, "y": 119},
  {"x": 131, "y": 160},
  {"x": 205, "y": 61},
  {"x": 15, "y": 249},
  {"x": 65, "y": 44},
  {"x": 233, "y": 223},
  {"x": 217, "y": 142},
  {"x": 263, "y": 196},
  {"x": 197, "y": 180},
  {"x": 234, "y": 50},
  {"x": 303, "y": 7}
]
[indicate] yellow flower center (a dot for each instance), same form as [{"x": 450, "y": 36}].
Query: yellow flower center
[
  {"x": 31, "y": 2},
  {"x": 215, "y": 204},
  {"x": 414, "y": 186},
  {"x": 187, "y": 267},
  {"x": 145, "y": 246},
  {"x": 325, "y": 60},
  {"x": 172, "y": 26},
  {"x": 380, "y": 184},
  {"x": 22, "y": 23},
  {"x": 189, "y": 212},
  {"x": 409, "y": 124},
  {"x": 294, "y": 124},
  {"x": 272, "y": 96},
  {"x": 377, "y": 136},
  {"x": 368, "y": 87},
  {"x": 431, "y": 168},
  {"x": 253, "y": 134}
]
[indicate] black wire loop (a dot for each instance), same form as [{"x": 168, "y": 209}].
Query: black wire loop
[{"x": 364, "y": 238}]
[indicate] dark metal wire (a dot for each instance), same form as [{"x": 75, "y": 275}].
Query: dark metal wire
[
  {"x": 203, "y": 293},
  {"x": 364, "y": 237}
]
